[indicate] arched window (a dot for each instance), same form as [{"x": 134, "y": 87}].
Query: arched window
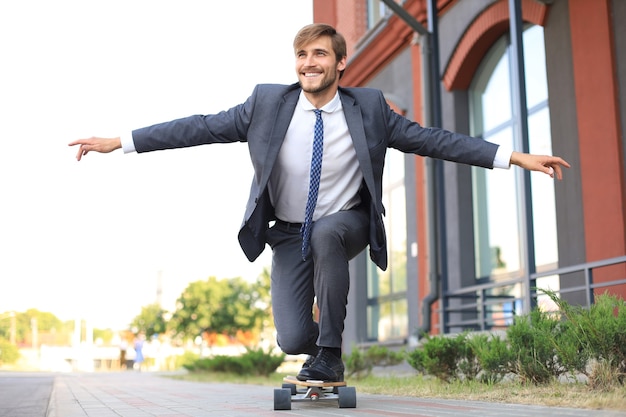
[{"x": 497, "y": 194}]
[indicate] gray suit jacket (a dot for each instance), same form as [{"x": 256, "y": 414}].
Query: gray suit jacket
[{"x": 262, "y": 121}]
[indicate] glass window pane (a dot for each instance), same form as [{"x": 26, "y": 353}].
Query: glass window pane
[
  {"x": 544, "y": 208},
  {"x": 373, "y": 319},
  {"x": 396, "y": 237},
  {"x": 496, "y": 217},
  {"x": 491, "y": 92},
  {"x": 391, "y": 320},
  {"x": 372, "y": 280},
  {"x": 535, "y": 66},
  {"x": 497, "y": 98},
  {"x": 385, "y": 322},
  {"x": 387, "y": 304},
  {"x": 375, "y": 11},
  {"x": 394, "y": 169},
  {"x": 400, "y": 319}
]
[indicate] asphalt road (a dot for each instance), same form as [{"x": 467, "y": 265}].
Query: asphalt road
[{"x": 25, "y": 395}]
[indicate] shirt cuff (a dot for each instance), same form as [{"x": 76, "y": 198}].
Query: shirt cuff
[
  {"x": 128, "y": 145},
  {"x": 503, "y": 157}
]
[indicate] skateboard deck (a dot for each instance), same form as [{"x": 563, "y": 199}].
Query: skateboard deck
[{"x": 311, "y": 390}]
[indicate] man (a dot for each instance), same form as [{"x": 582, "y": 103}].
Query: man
[{"x": 290, "y": 130}]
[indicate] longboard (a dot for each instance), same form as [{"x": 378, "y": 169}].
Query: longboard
[{"x": 295, "y": 390}]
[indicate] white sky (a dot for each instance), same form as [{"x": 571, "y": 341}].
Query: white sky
[{"x": 90, "y": 239}]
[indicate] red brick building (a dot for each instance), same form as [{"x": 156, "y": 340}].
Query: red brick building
[{"x": 467, "y": 246}]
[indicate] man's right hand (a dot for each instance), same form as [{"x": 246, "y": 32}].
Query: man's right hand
[{"x": 102, "y": 145}]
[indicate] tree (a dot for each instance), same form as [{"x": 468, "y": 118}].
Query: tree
[
  {"x": 151, "y": 320},
  {"x": 220, "y": 306},
  {"x": 46, "y": 322}
]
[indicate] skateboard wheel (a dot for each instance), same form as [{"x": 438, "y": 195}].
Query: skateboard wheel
[
  {"x": 282, "y": 399},
  {"x": 291, "y": 387},
  {"x": 347, "y": 397}
]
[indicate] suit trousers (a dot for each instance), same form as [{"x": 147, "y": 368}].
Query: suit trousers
[{"x": 322, "y": 278}]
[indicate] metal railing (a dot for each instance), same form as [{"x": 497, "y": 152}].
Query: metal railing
[{"x": 486, "y": 306}]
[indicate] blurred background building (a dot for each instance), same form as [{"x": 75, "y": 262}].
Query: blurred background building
[{"x": 468, "y": 247}]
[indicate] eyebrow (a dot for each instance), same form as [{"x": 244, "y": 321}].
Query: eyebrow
[{"x": 314, "y": 50}]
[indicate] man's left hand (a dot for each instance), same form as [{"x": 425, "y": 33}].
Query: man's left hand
[{"x": 550, "y": 165}]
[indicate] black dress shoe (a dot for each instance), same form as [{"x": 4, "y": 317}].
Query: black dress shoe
[
  {"x": 309, "y": 359},
  {"x": 308, "y": 362},
  {"x": 325, "y": 367}
]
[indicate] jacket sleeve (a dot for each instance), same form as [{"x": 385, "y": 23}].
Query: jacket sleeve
[
  {"x": 409, "y": 136},
  {"x": 225, "y": 127}
]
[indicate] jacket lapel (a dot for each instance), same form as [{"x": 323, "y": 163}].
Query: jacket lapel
[
  {"x": 284, "y": 113},
  {"x": 352, "y": 112}
]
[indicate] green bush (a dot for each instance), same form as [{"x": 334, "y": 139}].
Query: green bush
[
  {"x": 532, "y": 343},
  {"x": 360, "y": 362},
  {"x": 539, "y": 347},
  {"x": 357, "y": 364},
  {"x": 9, "y": 353},
  {"x": 442, "y": 356},
  {"x": 383, "y": 356},
  {"x": 186, "y": 360},
  {"x": 253, "y": 362},
  {"x": 263, "y": 363},
  {"x": 468, "y": 366},
  {"x": 600, "y": 338},
  {"x": 493, "y": 356}
]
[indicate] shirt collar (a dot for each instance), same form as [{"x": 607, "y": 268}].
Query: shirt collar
[{"x": 330, "y": 107}]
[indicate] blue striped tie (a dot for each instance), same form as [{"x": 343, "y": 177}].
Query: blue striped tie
[{"x": 314, "y": 182}]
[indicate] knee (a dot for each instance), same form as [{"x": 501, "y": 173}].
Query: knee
[{"x": 294, "y": 344}]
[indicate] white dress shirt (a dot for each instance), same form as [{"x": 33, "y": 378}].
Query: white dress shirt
[{"x": 341, "y": 176}]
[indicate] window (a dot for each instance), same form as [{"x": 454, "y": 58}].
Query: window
[
  {"x": 376, "y": 10},
  {"x": 387, "y": 309},
  {"x": 497, "y": 194}
]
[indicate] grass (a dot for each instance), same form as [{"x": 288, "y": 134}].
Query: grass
[{"x": 556, "y": 394}]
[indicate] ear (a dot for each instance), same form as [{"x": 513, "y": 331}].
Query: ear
[{"x": 341, "y": 65}]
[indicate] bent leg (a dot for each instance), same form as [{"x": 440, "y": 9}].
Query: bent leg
[
  {"x": 292, "y": 292},
  {"x": 335, "y": 239}
]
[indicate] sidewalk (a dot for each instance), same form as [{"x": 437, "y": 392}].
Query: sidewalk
[{"x": 135, "y": 394}]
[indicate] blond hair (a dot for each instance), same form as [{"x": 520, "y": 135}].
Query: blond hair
[{"x": 314, "y": 31}]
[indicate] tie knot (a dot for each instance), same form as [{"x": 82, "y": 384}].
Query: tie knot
[{"x": 318, "y": 112}]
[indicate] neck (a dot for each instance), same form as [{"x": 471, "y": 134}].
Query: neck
[{"x": 321, "y": 98}]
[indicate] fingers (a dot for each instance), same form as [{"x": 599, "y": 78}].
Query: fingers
[
  {"x": 554, "y": 166},
  {"x": 102, "y": 145},
  {"x": 549, "y": 165},
  {"x": 558, "y": 171},
  {"x": 77, "y": 142},
  {"x": 82, "y": 151}
]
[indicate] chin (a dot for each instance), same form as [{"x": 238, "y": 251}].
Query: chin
[
  {"x": 313, "y": 89},
  {"x": 308, "y": 85}
]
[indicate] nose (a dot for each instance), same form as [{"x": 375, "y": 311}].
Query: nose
[{"x": 309, "y": 60}]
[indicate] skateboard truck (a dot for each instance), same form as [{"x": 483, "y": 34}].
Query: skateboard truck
[{"x": 296, "y": 390}]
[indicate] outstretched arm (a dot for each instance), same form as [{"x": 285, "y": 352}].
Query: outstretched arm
[
  {"x": 542, "y": 163},
  {"x": 102, "y": 145}
]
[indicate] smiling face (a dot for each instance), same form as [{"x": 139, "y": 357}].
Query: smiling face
[{"x": 318, "y": 70}]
